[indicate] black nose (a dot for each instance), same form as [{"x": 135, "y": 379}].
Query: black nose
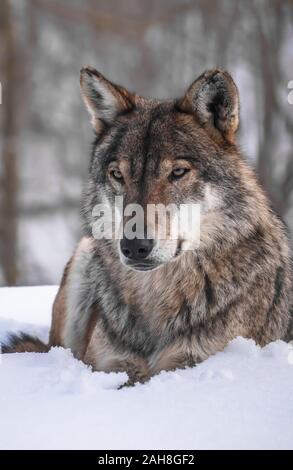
[{"x": 136, "y": 249}]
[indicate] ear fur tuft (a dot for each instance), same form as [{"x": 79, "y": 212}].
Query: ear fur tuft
[
  {"x": 103, "y": 99},
  {"x": 213, "y": 98}
]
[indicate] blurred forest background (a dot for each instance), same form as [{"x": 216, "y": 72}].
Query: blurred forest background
[{"x": 155, "y": 47}]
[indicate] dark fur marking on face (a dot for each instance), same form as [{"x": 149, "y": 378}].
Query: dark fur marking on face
[
  {"x": 157, "y": 114},
  {"x": 108, "y": 154},
  {"x": 146, "y": 146},
  {"x": 111, "y": 151},
  {"x": 99, "y": 137}
]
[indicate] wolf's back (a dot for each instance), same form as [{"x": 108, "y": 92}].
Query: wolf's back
[{"x": 23, "y": 342}]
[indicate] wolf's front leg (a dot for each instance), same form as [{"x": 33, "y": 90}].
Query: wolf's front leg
[
  {"x": 76, "y": 300},
  {"x": 103, "y": 356},
  {"x": 175, "y": 356},
  {"x": 137, "y": 371}
]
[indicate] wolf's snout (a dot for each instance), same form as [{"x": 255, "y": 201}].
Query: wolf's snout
[{"x": 136, "y": 249}]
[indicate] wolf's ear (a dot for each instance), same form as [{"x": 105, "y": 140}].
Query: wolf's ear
[
  {"x": 104, "y": 100},
  {"x": 214, "y": 100}
]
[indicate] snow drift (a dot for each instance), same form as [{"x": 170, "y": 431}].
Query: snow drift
[{"x": 241, "y": 398}]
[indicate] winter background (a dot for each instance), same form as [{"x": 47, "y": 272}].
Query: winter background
[{"x": 242, "y": 397}]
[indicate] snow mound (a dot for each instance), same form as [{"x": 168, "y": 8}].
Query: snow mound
[{"x": 238, "y": 399}]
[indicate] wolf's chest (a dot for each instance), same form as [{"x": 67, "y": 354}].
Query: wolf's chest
[{"x": 147, "y": 321}]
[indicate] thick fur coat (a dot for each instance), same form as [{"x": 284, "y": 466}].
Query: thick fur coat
[{"x": 180, "y": 304}]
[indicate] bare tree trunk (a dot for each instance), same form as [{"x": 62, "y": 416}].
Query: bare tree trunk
[
  {"x": 270, "y": 45},
  {"x": 9, "y": 184}
]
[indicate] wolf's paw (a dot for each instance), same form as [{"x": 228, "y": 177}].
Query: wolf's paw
[{"x": 137, "y": 372}]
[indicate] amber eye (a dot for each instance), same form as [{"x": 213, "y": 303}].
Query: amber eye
[
  {"x": 117, "y": 175},
  {"x": 179, "y": 172}
]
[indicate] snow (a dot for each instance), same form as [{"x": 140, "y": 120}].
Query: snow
[{"x": 238, "y": 399}]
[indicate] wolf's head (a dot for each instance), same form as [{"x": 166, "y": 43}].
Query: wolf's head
[{"x": 166, "y": 152}]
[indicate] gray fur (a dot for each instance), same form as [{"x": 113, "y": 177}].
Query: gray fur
[{"x": 238, "y": 282}]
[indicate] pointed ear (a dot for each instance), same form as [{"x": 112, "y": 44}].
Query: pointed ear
[
  {"x": 213, "y": 98},
  {"x": 104, "y": 100}
]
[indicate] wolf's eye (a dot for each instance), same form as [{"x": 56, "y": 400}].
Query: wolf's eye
[
  {"x": 179, "y": 172},
  {"x": 117, "y": 175}
]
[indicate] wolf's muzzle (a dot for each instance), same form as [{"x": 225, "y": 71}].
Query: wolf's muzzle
[{"x": 137, "y": 249}]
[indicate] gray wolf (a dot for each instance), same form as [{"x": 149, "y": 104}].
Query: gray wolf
[{"x": 146, "y": 305}]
